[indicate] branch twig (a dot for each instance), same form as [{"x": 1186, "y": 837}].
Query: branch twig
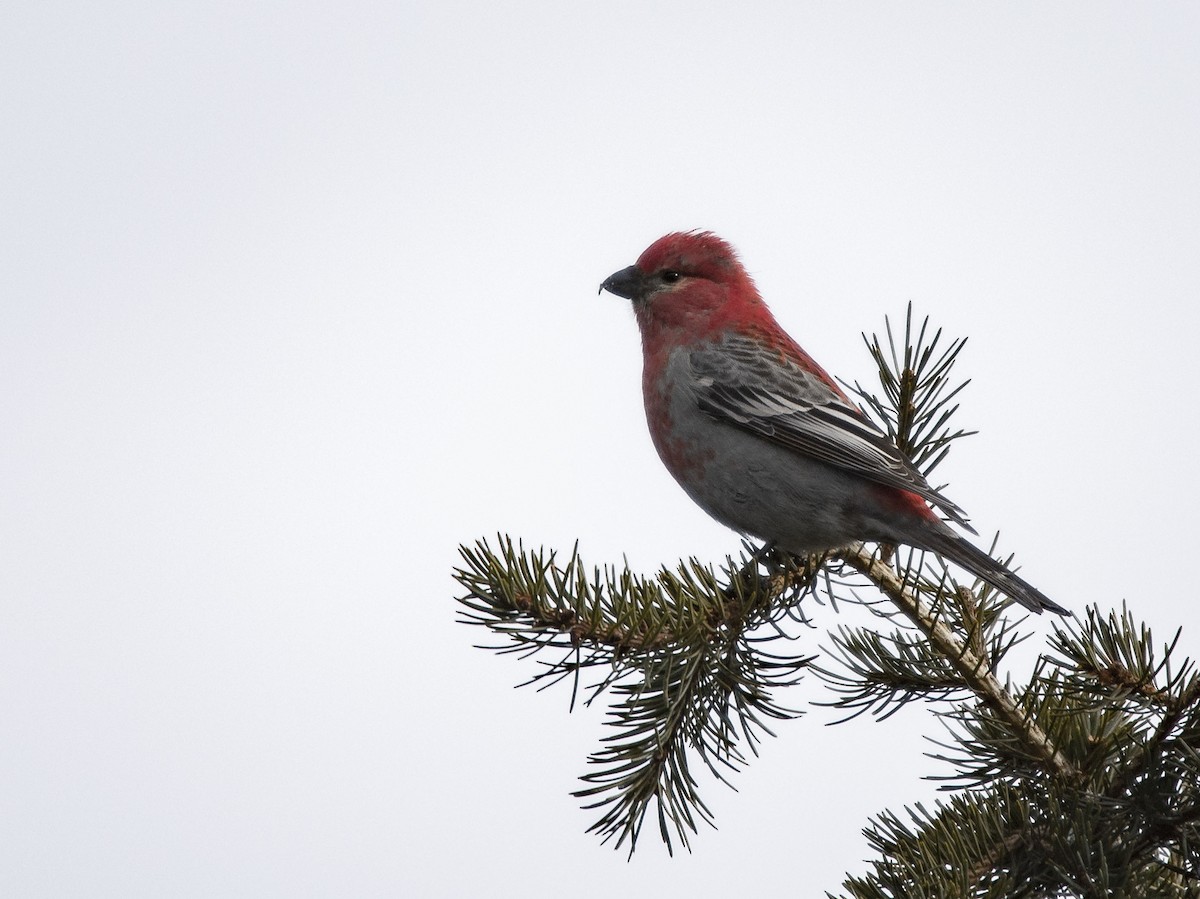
[{"x": 972, "y": 666}]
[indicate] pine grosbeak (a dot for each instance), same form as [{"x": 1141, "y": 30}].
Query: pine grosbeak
[{"x": 759, "y": 435}]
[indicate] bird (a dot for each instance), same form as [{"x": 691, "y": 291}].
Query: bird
[{"x": 760, "y": 436}]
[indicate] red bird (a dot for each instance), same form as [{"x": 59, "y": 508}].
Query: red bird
[{"x": 759, "y": 435}]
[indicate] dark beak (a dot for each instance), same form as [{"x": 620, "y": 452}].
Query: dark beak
[{"x": 628, "y": 283}]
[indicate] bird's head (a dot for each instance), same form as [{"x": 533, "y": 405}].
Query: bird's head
[{"x": 690, "y": 281}]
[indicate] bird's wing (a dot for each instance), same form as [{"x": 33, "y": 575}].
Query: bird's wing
[{"x": 741, "y": 382}]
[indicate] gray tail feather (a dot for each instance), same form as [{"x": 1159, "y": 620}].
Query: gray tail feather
[{"x": 957, "y": 549}]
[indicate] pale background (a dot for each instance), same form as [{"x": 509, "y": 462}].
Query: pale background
[{"x": 295, "y": 298}]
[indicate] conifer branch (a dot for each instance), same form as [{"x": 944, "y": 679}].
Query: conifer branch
[
  {"x": 1083, "y": 781},
  {"x": 681, "y": 651},
  {"x": 970, "y": 664}
]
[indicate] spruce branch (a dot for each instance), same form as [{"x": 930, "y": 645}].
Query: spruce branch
[
  {"x": 972, "y": 667},
  {"x": 915, "y": 408},
  {"x": 1126, "y": 822},
  {"x": 681, "y": 652},
  {"x": 1081, "y": 780}
]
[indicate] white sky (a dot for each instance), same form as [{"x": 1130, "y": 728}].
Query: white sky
[{"x": 298, "y": 297}]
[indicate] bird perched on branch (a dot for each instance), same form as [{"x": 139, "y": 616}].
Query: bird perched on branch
[{"x": 760, "y": 436}]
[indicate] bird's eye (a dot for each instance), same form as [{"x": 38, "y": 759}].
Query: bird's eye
[{"x": 670, "y": 277}]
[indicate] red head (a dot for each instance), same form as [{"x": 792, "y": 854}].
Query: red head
[
  {"x": 690, "y": 287},
  {"x": 686, "y": 286}
]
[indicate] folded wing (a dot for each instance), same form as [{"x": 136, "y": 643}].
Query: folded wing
[{"x": 743, "y": 384}]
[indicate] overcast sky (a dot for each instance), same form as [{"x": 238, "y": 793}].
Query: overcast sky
[{"x": 295, "y": 298}]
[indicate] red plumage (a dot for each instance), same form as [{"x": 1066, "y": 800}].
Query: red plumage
[{"x": 759, "y": 435}]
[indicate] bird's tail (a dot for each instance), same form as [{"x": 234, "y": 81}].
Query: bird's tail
[{"x": 950, "y": 545}]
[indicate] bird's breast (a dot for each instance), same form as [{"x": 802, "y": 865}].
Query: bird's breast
[{"x": 674, "y": 421}]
